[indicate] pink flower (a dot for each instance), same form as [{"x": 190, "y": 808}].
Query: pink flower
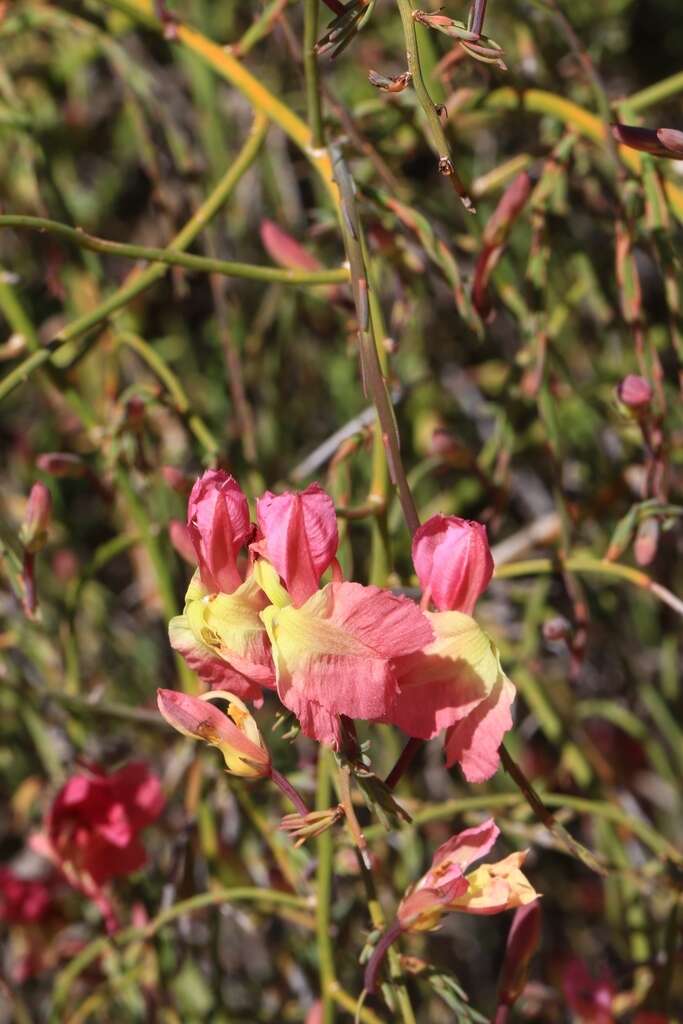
[
  {"x": 222, "y": 638},
  {"x": 181, "y": 539},
  {"x": 299, "y": 537},
  {"x": 92, "y": 829},
  {"x": 488, "y": 889},
  {"x": 235, "y": 734},
  {"x": 23, "y": 900},
  {"x": 453, "y": 562},
  {"x": 335, "y": 655},
  {"x": 457, "y": 683},
  {"x": 218, "y": 521}
]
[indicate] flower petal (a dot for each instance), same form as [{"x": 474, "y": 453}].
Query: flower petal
[
  {"x": 443, "y": 683},
  {"x": 475, "y": 741},
  {"x": 466, "y": 847},
  {"x": 334, "y": 654}
]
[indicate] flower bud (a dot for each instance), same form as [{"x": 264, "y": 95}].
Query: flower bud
[
  {"x": 62, "y": 464},
  {"x": 236, "y": 734},
  {"x": 522, "y": 943},
  {"x": 662, "y": 142},
  {"x": 177, "y": 480},
  {"x": 218, "y": 522},
  {"x": 647, "y": 541},
  {"x": 33, "y": 533},
  {"x": 635, "y": 393},
  {"x": 453, "y": 561}
]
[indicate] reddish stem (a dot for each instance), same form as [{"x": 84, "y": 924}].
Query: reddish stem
[
  {"x": 379, "y": 952},
  {"x": 404, "y": 762},
  {"x": 335, "y": 6},
  {"x": 286, "y": 787}
]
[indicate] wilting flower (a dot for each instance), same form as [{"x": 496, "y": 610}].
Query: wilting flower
[
  {"x": 299, "y": 537},
  {"x": 236, "y": 734},
  {"x": 456, "y": 683},
  {"x": 335, "y": 655},
  {"x": 223, "y": 639},
  {"x": 92, "y": 829},
  {"x": 453, "y": 562},
  {"x": 489, "y": 889},
  {"x": 218, "y": 521},
  {"x": 23, "y": 900},
  {"x": 33, "y": 533}
]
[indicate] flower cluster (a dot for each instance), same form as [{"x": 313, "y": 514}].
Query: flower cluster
[{"x": 256, "y": 617}]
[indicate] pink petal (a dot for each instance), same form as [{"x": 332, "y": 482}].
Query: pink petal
[
  {"x": 218, "y": 522},
  {"x": 300, "y": 537},
  {"x": 466, "y": 847},
  {"x": 201, "y": 720},
  {"x": 453, "y": 561},
  {"x": 284, "y": 249},
  {"x": 443, "y": 683},
  {"x": 474, "y": 742},
  {"x": 333, "y": 655}
]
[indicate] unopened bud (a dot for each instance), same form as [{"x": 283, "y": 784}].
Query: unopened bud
[
  {"x": 62, "y": 464},
  {"x": 635, "y": 393},
  {"x": 647, "y": 541},
  {"x": 662, "y": 142},
  {"x": 522, "y": 943},
  {"x": 33, "y": 533},
  {"x": 178, "y": 481}
]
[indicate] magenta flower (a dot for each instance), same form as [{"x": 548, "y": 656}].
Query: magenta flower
[
  {"x": 218, "y": 522},
  {"x": 299, "y": 537},
  {"x": 453, "y": 562}
]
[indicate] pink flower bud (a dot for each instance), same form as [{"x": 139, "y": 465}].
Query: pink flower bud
[
  {"x": 300, "y": 537},
  {"x": 176, "y": 479},
  {"x": 284, "y": 249},
  {"x": 33, "y": 533},
  {"x": 218, "y": 523},
  {"x": 453, "y": 562},
  {"x": 634, "y": 392},
  {"x": 662, "y": 142},
  {"x": 179, "y": 536},
  {"x": 522, "y": 943},
  {"x": 61, "y": 464},
  {"x": 647, "y": 541}
]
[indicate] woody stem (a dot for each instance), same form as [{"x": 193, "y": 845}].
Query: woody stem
[{"x": 286, "y": 787}]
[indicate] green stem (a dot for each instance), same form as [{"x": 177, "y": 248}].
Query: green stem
[
  {"x": 173, "y": 258},
  {"x": 175, "y": 389},
  {"x": 313, "y": 97},
  {"x": 138, "y": 281},
  {"x": 597, "y": 566},
  {"x": 439, "y": 140},
  {"x": 67, "y": 977},
  {"x": 653, "y": 94},
  {"x": 324, "y": 890}
]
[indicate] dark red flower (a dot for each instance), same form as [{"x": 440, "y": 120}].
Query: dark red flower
[{"x": 23, "y": 900}]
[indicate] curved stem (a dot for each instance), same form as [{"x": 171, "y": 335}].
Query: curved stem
[
  {"x": 597, "y": 566},
  {"x": 173, "y": 258},
  {"x": 378, "y": 954},
  {"x": 404, "y": 762},
  {"x": 138, "y": 281},
  {"x": 286, "y": 787}
]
